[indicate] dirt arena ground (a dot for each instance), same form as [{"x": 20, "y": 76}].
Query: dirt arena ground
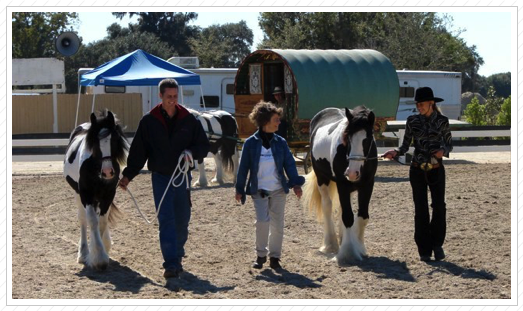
[{"x": 220, "y": 248}]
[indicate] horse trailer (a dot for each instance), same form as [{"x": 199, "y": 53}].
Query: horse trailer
[{"x": 445, "y": 84}]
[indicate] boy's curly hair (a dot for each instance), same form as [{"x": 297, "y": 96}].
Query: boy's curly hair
[{"x": 262, "y": 113}]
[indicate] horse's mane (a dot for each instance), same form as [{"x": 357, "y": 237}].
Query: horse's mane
[
  {"x": 359, "y": 121},
  {"x": 107, "y": 124}
]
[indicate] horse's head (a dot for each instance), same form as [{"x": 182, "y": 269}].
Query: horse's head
[
  {"x": 359, "y": 139},
  {"x": 107, "y": 143}
]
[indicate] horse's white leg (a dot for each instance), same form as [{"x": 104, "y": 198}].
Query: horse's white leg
[
  {"x": 104, "y": 231},
  {"x": 98, "y": 257},
  {"x": 341, "y": 229},
  {"x": 83, "y": 249},
  {"x": 359, "y": 230},
  {"x": 330, "y": 244},
  {"x": 351, "y": 248},
  {"x": 218, "y": 178},
  {"x": 202, "y": 179}
]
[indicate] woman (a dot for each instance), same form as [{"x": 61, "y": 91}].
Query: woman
[
  {"x": 432, "y": 140},
  {"x": 265, "y": 156}
]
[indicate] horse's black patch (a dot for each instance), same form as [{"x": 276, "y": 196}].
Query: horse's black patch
[
  {"x": 72, "y": 183},
  {"x": 73, "y": 154}
]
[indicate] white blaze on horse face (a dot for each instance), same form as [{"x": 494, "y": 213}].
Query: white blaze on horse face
[
  {"x": 107, "y": 171},
  {"x": 353, "y": 171}
]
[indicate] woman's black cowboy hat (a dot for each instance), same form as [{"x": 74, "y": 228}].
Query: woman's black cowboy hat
[{"x": 424, "y": 94}]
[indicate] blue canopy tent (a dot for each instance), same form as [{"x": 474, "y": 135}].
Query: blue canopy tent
[{"x": 136, "y": 68}]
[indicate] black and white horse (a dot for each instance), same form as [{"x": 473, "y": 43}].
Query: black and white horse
[
  {"x": 92, "y": 163},
  {"x": 222, "y": 131},
  {"x": 344, "y": 160}
]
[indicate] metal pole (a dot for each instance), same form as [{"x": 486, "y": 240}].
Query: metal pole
[
  {"x": 55, "y": 110},
  {"x": 203, "y": 98},
  {"x": 94, "y": 96}
]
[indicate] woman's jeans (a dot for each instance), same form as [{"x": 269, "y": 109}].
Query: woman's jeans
[
  {"x": 428, "y": 234},
  {"x": 270, "y": 213},
  {"x": 173, "y": 218}
]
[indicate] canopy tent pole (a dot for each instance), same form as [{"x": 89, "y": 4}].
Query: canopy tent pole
[
  {"x": 203, "y": 98},
  {"x": 181, "y": 89},
  {"x": 92, "y": 108},
  {"x": 77, "y": 107}
]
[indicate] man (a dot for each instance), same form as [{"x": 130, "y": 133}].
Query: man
[
  {"x": 429, "y": 131},
  {"x": 281, "y": 103},
  {"x": 162, "y": 135}
]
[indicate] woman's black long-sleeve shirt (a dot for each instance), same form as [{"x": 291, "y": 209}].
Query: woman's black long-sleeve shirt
[{"x": 429, "y": 135}]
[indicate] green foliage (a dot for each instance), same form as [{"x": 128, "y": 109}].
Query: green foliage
[
  {"x": 34, "y": 33},
  {"x": 475, "y": 112},
  {"x": 492, "y": 107},
  {"x": 501, "y": 84},
  {"x": 170, "y": 27},
  {"x": 223, "y": 45},
  {"x": 504, "y": 114}
]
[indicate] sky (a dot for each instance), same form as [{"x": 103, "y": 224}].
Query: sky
[{"x": 490, "y": 32}]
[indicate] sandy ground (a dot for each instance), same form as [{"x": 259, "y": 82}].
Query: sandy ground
[{"x": 220, "y": 248}]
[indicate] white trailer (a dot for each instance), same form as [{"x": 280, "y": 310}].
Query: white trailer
[
  {"x": 445, "y": 84},
  {"x": 217, "y": 85}
]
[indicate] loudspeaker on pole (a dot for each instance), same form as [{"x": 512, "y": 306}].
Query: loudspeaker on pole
[{"x": 67, "y": 43}]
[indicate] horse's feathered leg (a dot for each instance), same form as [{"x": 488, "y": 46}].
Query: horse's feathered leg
[
  {"x": 350, "y": 248},
  {"x": 202, "y": 178},
  {"x": 330, "y": 244},
  {"x": 83, "y": 249},
  {"x": 104, "y": 231},
  {"x": 98, "y": 258},
  {"x": 364, "y": 195},
  {"x": 218, "y": 177}
]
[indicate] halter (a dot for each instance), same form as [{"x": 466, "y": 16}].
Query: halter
[{"x": 363, "y": 158}]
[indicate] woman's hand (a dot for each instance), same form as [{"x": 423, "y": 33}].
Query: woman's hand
[
  {"x": 438, "y": 154},
  {"x": 390, "y": 154},
  {"x": 238, "y": 197},
  {"x": 297, "y": 191}
]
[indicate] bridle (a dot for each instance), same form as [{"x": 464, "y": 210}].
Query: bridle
[{"x": 362, "y": 157}]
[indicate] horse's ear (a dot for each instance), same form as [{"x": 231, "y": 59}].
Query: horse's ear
[
  {"x": 93, "y": 118},
  {"x": 348, "y": 113},
  {"x": 372, "y": 118},
  {"x": 110, "y": 117}
]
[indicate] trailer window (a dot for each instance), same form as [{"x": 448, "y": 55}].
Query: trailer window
[
  {"x": 210, "y": 101},
  {"x": 114, "y": 89},
  {"x": 407, "y": 92},
  {"x": 229, "y": 89}
]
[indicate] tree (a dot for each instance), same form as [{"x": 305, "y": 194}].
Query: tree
[
  {"x": 504, "y": 114},
  {"x": 413, "y": 40},
  {"x": 170, "y": 27},
  {"x": 501, "y": 84},
  {"x": 34, "y": 33},
  {"x": 492, "y": 106},
  {"x": 120, "y": 41},
  {"x": 475, "y": 112},
  {"x": 223, "y": 45}
]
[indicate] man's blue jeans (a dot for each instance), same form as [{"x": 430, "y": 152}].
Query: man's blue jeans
[{"x": 173, "y": 218}]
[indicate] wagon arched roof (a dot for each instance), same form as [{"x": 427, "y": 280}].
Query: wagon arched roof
[{"x": 342, "y": 78}]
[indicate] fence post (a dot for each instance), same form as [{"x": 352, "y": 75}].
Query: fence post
[{"x": 55, "y": 110}]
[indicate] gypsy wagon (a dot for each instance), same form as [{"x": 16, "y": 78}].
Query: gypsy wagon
[{"x": 313, "y": 80}]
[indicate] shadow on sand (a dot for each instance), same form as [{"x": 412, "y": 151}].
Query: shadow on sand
[
  {"x": 123, "y": 278},
  {"x": 289, "y": 278},
  {"x": 192, "y": 283},
  {"x": 466, "y": 273}
]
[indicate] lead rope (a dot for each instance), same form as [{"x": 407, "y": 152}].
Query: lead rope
[{"x": 183, "y": 170}]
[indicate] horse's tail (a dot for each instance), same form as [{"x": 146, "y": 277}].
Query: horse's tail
[
  {"x": 311, "y": 198},
  {"x": 114, "y": 214},
  {"x": 228, "y": 145}
]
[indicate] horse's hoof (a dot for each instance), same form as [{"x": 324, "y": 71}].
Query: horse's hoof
[
  {"x": 328, "y": 249},
  {"x": 81, "y": 260},
  {"x": 101, "y": 266}
]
